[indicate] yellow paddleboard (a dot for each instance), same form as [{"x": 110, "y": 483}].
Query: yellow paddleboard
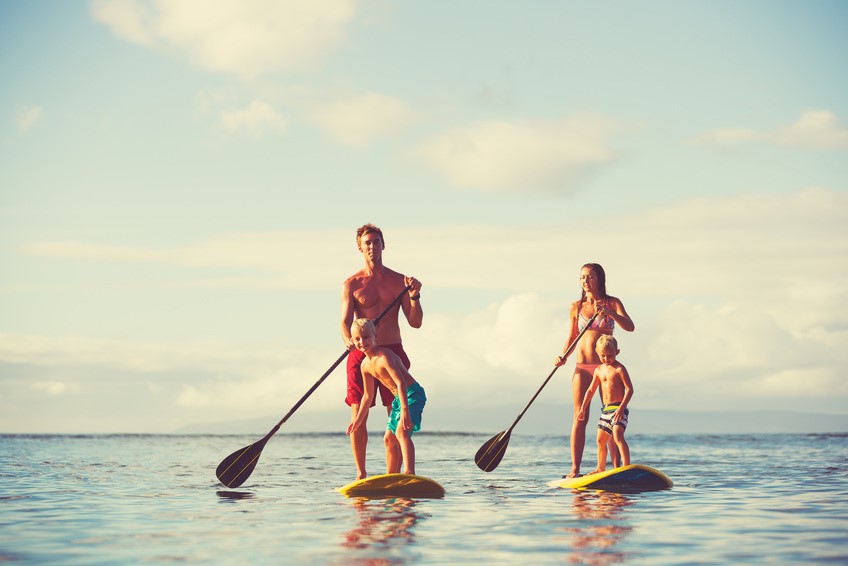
[
  {"x": 632, "y": 478},
  {"x": 394, "y": 485}
]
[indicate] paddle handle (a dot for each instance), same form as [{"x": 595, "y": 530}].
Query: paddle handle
[
  {"x": 568, "y": 352},
  {"x": 388, "y": 308},
  {"x": 332, "y": 367}
]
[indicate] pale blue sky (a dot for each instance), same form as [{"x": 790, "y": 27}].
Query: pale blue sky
[{"x": 180, "y": 183}]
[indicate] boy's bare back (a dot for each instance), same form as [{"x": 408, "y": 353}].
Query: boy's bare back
[{"x": 386, "y": 367}]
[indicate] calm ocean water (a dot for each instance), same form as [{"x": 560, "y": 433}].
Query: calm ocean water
[{"x": 130, "y": 499}]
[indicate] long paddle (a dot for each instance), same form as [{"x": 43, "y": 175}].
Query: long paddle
[
  {"x": 490, "y": 454},
  {"x": 237, "y": 467}
]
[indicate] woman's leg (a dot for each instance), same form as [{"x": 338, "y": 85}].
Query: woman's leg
[{"x": 579, "y": 384}]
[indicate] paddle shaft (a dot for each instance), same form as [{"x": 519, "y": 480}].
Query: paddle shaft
[
  {"x": 334, "y": 366},
  {"x": 492, "y": 452},
  {"x": 568, "y": 352},
  {"x": 237, "y": 467}
]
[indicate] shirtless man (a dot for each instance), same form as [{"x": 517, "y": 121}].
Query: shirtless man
[{"x": 364, "y": 295}]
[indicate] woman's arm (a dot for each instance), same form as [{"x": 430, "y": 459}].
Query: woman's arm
[
  {"x": 572, "y": 333},
  {"x": 619, "y": 315}
]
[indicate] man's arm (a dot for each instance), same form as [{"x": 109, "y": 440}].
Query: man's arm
[
  {"x": 347, "y": 314},
  {"x": 412, "y": 307},
  {"x": 364, "y": 404}
]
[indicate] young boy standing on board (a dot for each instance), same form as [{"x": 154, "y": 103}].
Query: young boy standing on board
[
  {"x": 383, "y": 365},
  {"x": 616, "y": 392}
]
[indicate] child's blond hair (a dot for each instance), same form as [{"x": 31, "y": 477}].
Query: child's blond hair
[
  {"x": 606, "y": 343},
  {"x": 365, "y": 326}
]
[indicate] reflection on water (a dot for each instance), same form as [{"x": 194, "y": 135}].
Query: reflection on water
[
  {"x": 90, "y": 500},
  {"x": 383, "y": 523},
  {"x": 235, "y": 494},
  {"x": 602, "y": 527}
]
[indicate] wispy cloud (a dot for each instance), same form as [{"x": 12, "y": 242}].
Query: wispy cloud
[
  {"x": 27, "y": 116},
  {"x": 247, "y": 38},
  {"x": 814, "y": 129},
  {"x": 500, "y": 155},
  {"x": 735, "y": 299},
  {"x": 132, "y": 20},
  {"x": 729, "y": 136},
  {"x": 53, "y": 387},
  {"x": 358, "y": 120},
  {"x": 260, "y": 251},
  {"x": 254, "y": 120},
  {"x": 695, "y": 244},
  {"x": 203, "y": 375}
]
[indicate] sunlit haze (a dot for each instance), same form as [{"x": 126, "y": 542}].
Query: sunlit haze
[{"x": 180, "y": 183}]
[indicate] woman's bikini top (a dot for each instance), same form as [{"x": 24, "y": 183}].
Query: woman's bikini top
[{"x": 602, "y": 323}]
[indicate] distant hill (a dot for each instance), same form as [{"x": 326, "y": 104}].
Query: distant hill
[{"x": 548, "y": 418}]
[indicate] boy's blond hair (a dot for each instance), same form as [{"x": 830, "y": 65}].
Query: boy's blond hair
[
  {"x": 365, "y": 326},
  {"x": 605, "y": 343}
]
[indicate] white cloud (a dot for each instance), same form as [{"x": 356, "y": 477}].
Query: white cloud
[
  {"x": 129, "y": 356},
  {"x": 129, "y": 19},
  {"x": 732, "y": 298},
  {"x": 278, "y": 387},
  {"x": 728, "y": 136},
  {"x": 499, "y": 155},
  {"x": 27, "y": 116},
  {"x": 247, "y": 38},
  {"x": 814, "y": 129},
  {"x": 698, "y": 246},
  {"x": 205, "y": 376},
  {"x": 52, "y": 387},
  {"x": 254, "y": 119},
  {"x": 358, "y": 120},
  {"x": 271, "y": 253}
]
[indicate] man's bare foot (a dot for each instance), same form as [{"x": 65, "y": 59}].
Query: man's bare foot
[
  {"x": 596, "y": 471},
  {"x": 361, "y": 476},
  {"x": 572, "y": 474}
]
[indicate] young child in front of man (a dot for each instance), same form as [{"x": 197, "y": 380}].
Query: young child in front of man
[{"x": 383, "y": 365}]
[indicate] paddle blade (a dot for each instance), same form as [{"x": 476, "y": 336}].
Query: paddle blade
[
  {"x": 237, "y": 467},
  {"x": 491, "y": 453}
]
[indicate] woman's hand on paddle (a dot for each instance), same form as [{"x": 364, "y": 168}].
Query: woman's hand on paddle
[
  {"x": 560, "y": 361},
  {"x": 601, "y": 308}
]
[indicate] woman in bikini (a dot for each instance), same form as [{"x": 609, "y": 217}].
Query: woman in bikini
[{"x": 610, "y": 312}]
